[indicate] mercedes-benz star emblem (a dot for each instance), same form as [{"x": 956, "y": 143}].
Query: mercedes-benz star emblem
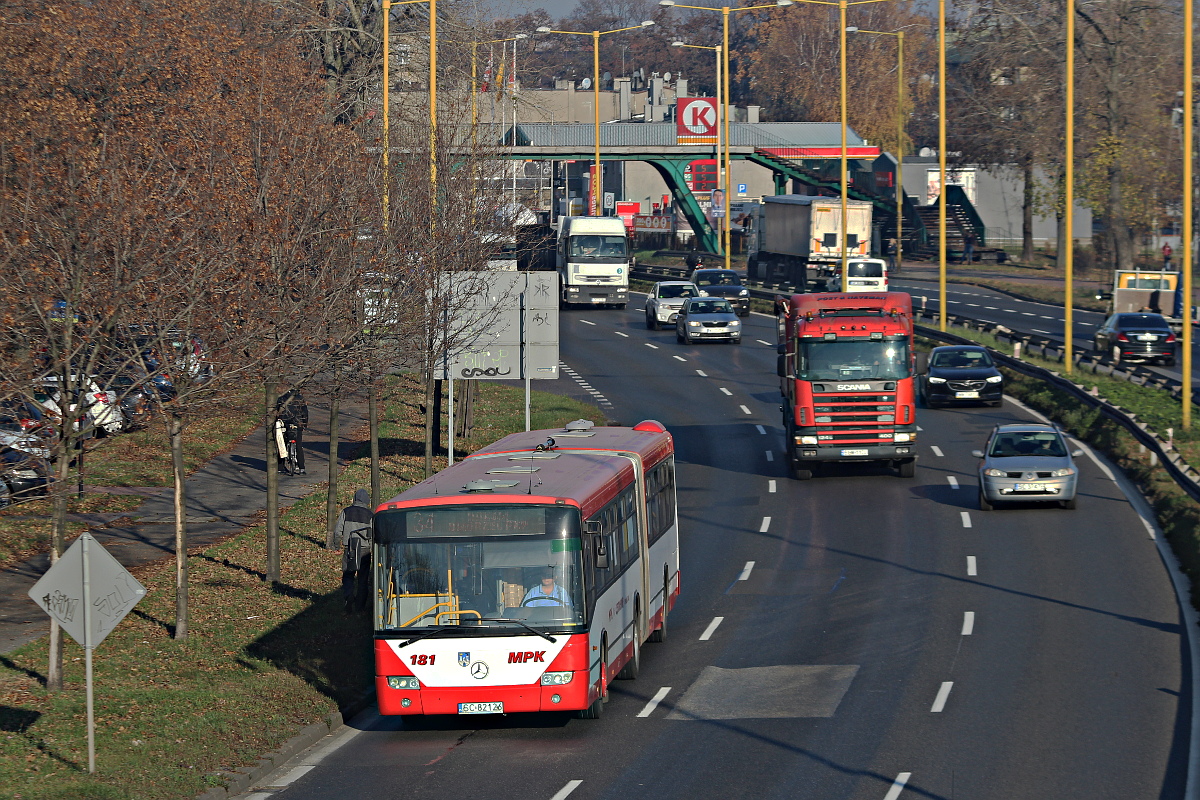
[{"x": 479, "y": 670}]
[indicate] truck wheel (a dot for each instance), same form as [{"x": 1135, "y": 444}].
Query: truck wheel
[
  {"x": 620, "y": 306},
  {"x": 907, "y": 468}
]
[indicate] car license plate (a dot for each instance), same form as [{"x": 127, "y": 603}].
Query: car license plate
[
  {"x": 1146, "y": 337},
  {"x": 1030, "y": 487},
  {"x": 862, "y": 452},
  {"x": 966, "y": 395},
  {"x": 481, "y": 708}
]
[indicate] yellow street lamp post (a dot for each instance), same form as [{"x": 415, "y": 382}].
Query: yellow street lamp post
[
  {"x": 387, "y": 84},
  {"x": 720, "y": 115},
  {"x": 899, "y": 136},
  {"x": 1186, "y": 255},
  {"x": 725, "y": 10},
  {"x": 942, "y": 165},
  {"x": 1069, "y": 197},
  {"x": 598, "y": 181}
]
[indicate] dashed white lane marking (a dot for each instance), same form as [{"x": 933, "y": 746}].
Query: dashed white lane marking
[
  {"x": 972, "y": 567},
  {"x": 566, "y": 790},
  {"x": 761, "y": 429},
  {"x": 744, "y": 409},
  {"x": 966, "y": 519},
  {"x": 770, "y": 456},
  {"x": 771, "y": 487},
  {"x": 587, "y": 322},
  {"x": 760, "y": 341},
  {"x": 919, "y": 428},
  {"x": 937, "y": 451},
  {"x": 766, "y": 523},
  {"x": 711, "y": 629},
  {"x": 746, "y": 570},
  {"x": 679, "y": 358},
  {"x": 621, "y": 333},
  {"x": 973, "y": 305},
  {"x": 725, "y": 391},
  {"x": 1050, "y": 318},
  {"x": 897, "y": 786},
  {"x": 991, "y": 308},
  {"x": 1035, "y": 330},
  {"x": 701, "y": 373},
  {"x": 648, "y": 709},
  {"x": 968, "y": 623},
  {"x": 652, "y": 346},
  {"x": 943, "y": 694},
  {"x": 953, "y": 481},
  {"x": 1028, "y": 314}
]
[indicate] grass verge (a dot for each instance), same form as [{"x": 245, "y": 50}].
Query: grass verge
[{"x": 260, "y": 662}]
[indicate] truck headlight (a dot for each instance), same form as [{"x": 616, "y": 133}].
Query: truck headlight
[
  {"x": 572, "y": 288},
  {"x": 807, "y": 439},
  {"x": 932, "y": 379},
  {"x": 556, "y": 678},
  {"x": 402, "y": 682},
  {"x": 995, "y": 378},
  {"x": 903, "y": 437}
]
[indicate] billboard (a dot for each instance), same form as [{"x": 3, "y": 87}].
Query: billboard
[{"x": 696, "y": 120}]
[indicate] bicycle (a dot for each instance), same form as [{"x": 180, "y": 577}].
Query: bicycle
[{"x": 288, "y": 449}]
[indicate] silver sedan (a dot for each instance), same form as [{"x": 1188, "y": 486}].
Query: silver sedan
[
  {"x": 708, "y": 318},
  {"x": 1027, "y": 462}
]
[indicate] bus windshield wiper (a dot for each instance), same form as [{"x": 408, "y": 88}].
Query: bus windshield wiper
[
  {"x": 425, "y": 635},
  {"x": 532, "y": 630}
]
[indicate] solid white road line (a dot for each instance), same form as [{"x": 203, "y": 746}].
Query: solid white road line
[
  {"x": 701, "y": 373},
  {"x": 937, "y": 451},
  {"x": 939, "y": 702},
  {"x": 587, "y": 322},
  {"x": 766, "y": 523},
  {"x": 761, "y": 429},
  {"x": 968, "y": 623},
  {"x": 711, "y": 629},
  {"x": 566, "y": 790},
  {"x": 770, "y": 456},
  {"x": 966, "y": 518},
  {"x": 652, "y": 346},
  {"x": 897, "y": 786},
  {"x": 744, "y": 409},
  {"x": 679, "y": 358},
  {"x": 953, "y": 481},
  {"x": 725, "y": 391},
  {"x": 654, "y": 701},
  {"x": 760, "y": 341},
  {"x": 771, "y": 486},
  {"x": 745, "y": 576},
  {"x": 621, "y": 333},
  {"x": 972, "y": 566}
]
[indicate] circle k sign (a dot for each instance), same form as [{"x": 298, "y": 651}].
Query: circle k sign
[{"x": 697, "y": 116}]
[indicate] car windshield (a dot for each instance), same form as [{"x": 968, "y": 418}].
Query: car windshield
[
  {"x": 465, "y": 565},
  {"x": 1142, "y": 321},
  {"x": 710, "y": 307},
  {"x": 961, "y": 359},
  {"x": 864, "y": 269},
  {"x": 719, "y": 278},
  {"x": 852, "y": 360},
  {"x": 665, "y": 292},
  {"x": 1028, "y": 443}
]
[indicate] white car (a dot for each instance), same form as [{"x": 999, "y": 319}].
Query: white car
[
  {"x": 100, "y": 405},
  {"x": 664, "y": 301}
]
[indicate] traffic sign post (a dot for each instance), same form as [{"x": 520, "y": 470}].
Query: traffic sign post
[{"x": 87, "y": 592}]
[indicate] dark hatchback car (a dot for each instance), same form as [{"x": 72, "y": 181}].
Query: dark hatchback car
[
  {"x": 962, "y": 374},
  {"x": 1137, "y": 337},
  {"x": 723, "y": 283},
  {"x": 22, "y": 476}
]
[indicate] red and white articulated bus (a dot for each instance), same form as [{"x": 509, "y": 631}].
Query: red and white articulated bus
[{"x": 526, "y": 576}]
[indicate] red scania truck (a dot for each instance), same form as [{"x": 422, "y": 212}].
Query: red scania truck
[{"x": 846, "y": 374}]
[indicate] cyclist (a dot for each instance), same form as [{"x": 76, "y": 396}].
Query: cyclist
[{"x": 292, "y": 411}]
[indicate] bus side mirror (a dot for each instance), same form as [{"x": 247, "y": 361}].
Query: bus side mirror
[
  {"x": 591, "y": 526},
  {"x": 781, "y": 366},
  {"x": 601, "y": 553}
]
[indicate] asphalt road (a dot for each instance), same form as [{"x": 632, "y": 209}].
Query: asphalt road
[{"x": 857, "y": 636}]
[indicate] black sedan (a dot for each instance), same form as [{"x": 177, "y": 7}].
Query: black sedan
[
  {"x": 723, "y": 283},
  {"x": 1140, "y": 336},
  {"x": 962, "y": 374}
]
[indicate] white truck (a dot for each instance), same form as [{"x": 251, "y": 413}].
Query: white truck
[
  {"x": 791, "y": 232},
  {"x": 593, "y": 261}
]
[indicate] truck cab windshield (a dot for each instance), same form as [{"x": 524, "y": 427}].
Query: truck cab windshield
[
  {"x": 599, "y": 247},
  {"x": 852, "y": 360}
]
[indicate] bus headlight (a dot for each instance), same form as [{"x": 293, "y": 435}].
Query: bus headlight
[
  {"x": 556, "y": 678},
  {"x": 402, "y": 682},
  {"x": 903, "y": 437}
]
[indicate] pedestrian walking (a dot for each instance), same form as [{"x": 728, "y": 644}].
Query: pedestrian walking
[
  {"x": 353, "y": 532},
  {"x": 969, "y": 249},
  {"x": 292, "y": 411},
  {"x": 1167, "y": 252}
]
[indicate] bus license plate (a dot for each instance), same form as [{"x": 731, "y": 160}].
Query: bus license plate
[
  {"x": 854, "y": 452},
  {"x": 966, "y": 395},
  {"x": 481, "y": 708},
  {"x": 1030, "y": 487}
]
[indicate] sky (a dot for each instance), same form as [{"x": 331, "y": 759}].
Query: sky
[{"x": 556, "y": 8}]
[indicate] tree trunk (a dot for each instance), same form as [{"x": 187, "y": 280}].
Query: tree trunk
[
  {"x": 1060, "y": 243},
  {"x": 331, "y": 503},
  {"x": 1027, "y": 212},
  {"x": 438, "y": 403},
  {"x": 270, "y": 397},
  {"x": 429, "y": 393},
  {"x": 175, "y": 432},
  {"x": 373, "y": 416},
  {"x": 58, "y": 536}
]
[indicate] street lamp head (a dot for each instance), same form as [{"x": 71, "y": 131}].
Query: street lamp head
[
  {"x": 784, "y": 2},
  {"x": 681, "y": 44},
  {"x": 646, "y": 23},
  {"x": 666, "y": 2},
  {"x": 521, "y": 36},
  {"x": 545, "y": 29},
  {"x": 851, "y": 29}
]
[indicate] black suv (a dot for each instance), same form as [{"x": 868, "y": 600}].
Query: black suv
[
  {"x": 723, "y": 283},
  {"x": 1137, "y": 336}
]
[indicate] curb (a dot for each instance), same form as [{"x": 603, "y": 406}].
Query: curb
[{"x": 243, "y": 779}]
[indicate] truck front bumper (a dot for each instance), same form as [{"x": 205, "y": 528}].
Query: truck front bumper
[
  {"x": 596, "y": 295},
  {"x": 873, "y": 452}
]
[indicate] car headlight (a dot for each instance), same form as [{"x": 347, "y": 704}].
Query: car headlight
[
  {"x": 903, "y": 437},
  {"x": 402, "y": 682},
  {"x": 932, "y": 379},
  {"x": 556, "y": 678},
  {"x": 703, "y": 293},
  {"x": 737, "y": 323},
  {"x": 995, "y": 378},
  {"x": 693, "y": 324},
  {"x": 995, "y": 473},
  {"x": 1064, "y": 472},
  {"x": 807, "y": 439},
  {"x": 744, "y": 293}
]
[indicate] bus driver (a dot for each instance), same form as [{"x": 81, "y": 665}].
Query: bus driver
[{"x": 547, "y": 594}]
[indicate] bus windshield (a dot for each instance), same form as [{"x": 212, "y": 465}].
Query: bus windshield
[
  {"x": 852, "y": 360},
  {"x": 468, "y": 564}
]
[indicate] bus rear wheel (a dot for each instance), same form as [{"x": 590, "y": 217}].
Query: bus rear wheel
[{"x": 659, "y": 634}]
